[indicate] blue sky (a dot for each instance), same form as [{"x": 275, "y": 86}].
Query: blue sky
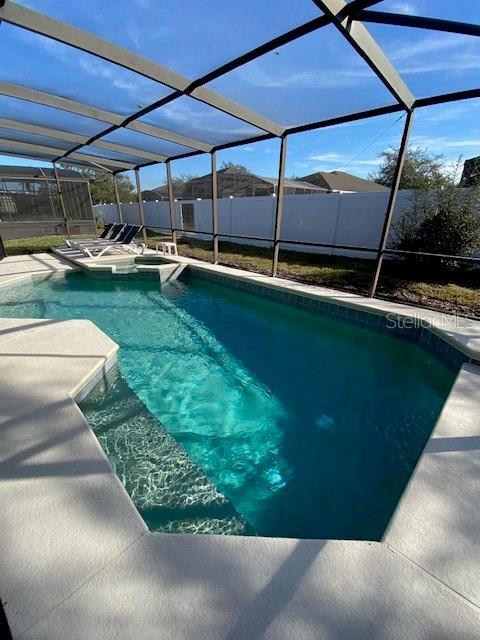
[{"x": 314, "y": 78}]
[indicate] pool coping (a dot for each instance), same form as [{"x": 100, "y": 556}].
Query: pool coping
[
  {"x": 426, "y": 560},
  {"x": 460, "y": 332}
]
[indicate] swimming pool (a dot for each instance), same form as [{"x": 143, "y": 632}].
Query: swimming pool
[{"x": 309, "y": 426}]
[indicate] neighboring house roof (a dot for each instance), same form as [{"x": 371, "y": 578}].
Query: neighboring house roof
[
  {"x": 299, "y": 184},
  {"x": 341, "y": 181},
  {"x": 235, "y": 173},
  {"x": 158, "y": 193},
  {"x": 10, "y": 171}
]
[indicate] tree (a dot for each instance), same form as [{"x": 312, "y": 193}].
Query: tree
[
  {"x": 180, "y": 181},
  {"x": 239, "y": 168},
  {"x": 444, "y": 220},
  {"x": 101, "y": 184},
  {"x": 421, "y": 170}
]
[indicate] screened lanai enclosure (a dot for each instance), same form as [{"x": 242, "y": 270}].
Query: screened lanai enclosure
[
  {"x": 35, "y": 202},
  {"x": 125, "y": 85}
]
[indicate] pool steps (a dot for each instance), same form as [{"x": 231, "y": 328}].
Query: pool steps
[
  {"x": 166, "y": 273},
  {"x": 124, "y": 266},
  {"x": 170, "y": 491}
]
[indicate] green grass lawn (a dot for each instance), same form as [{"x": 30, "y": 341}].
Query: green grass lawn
[
  {"x": 454, "y": 291},
  {"x": 21, "y": 246}
]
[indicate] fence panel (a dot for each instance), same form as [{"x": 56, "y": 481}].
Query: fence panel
[{"x": 353, "y": 219}]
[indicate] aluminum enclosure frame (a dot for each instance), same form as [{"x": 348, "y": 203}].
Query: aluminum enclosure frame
[{"x": 347, "y": 18}]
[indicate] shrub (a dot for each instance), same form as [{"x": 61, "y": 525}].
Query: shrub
[
  {"x": 445, "y": 220},
  {"x": 99, "y": 219}
]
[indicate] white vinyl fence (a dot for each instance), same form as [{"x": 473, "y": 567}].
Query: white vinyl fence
[{"x": 353, "y": 219}]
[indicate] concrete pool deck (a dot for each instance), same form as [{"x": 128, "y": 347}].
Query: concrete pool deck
[
  {"x": 16, "y": 270},
  {"x": 77, "y": 561}
]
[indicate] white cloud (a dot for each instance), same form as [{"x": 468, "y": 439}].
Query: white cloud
[
  {"x": 96, "y": 68},
  {"x": 323, "y": 157},
  {"x": 260, "y": 76},
  {"x": 440, "y": 143},
  {"x": 341, "y": 162},
  {"x": 446, "y": 113},
  {"x": 408, "y": 49},
  {"x": 323, "y": 167},
  {"x": 206, "y": 119},
  {"x": 434, "y": 54},
  {"x": 373, "y": 162},
  {"x": 454, "y": 64},
  {"x": 76, "y": 62},
  {"x": 400, "y": 7},
  {"x": 301, "y": 165}
]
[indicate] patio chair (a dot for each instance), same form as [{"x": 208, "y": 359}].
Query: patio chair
[
  {"x": 124, "y": 243},
  {"x": 110, "y": 232},
  {"x": 106, "y": 231},
  {"x": 117, "y": 235}
]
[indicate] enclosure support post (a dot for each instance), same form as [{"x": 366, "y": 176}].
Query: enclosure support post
[
  {"x": 214, "y": 207},
  {"x": 117, "y": 198},
  {"x": 171, "y": 202},
  {"x": 397, "y": 174},
  {"x": 50, "y": 199},
  {"x": 279, "y": 205},
  {"x": 91, "y": 205},
  {"x": 140, "y": 205},
  {"x": 60, "y": 195}
]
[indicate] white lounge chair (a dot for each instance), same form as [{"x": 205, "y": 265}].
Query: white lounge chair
[
  {"x": 123, "y": 244},
  {"x": 110, "y": 233}
]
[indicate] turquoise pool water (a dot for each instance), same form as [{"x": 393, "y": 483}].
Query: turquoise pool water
[{"x": 310, "y": 426}]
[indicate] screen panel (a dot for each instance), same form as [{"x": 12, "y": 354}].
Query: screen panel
[
  {"x": 40, "y": 63},
  {"x": 318, "y": 76},
  {"x": 249, "y": 170},
  {"x": 450, "y": 130},
  {"x": 38, "y": 114},
  {"x": 197, "y": 120},
  {"x": 15, "y": 160},
  {"x": 458, "y": 10},
  {"x": 113, "y": 155},
  {"x": 430, "y": 62},
  {"x": 353, "y": 149},
  {"x": 168, "y": 32},
  {"x": 154, "y": 184},
  {"x": 46, "y": 141},
  {"x": 102, "y": 162},
  {"x": 137, "y": 140},
  {"x": 10, "y": 151}
]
